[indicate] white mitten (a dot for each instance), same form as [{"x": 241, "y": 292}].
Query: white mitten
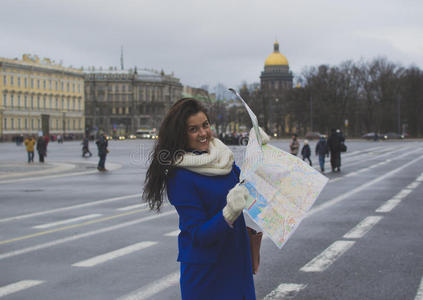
[
  {"x": 236, "y": 202},
  {"x": 264, "y": 137}
]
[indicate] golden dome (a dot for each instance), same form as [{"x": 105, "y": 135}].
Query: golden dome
[{"x": 276, "y": 58}]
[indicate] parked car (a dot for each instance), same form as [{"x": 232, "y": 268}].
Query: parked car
[
  {"x": 392, "y": 135},
  {"x": 146, "y": 134},
  {"x": 234, "y": 138},
  {"x": 313, "y": 135},
  {"x": 372, "y": 136}
]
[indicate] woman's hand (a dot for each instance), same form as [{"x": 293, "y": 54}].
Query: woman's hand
[{"x": 236, "y": 202}]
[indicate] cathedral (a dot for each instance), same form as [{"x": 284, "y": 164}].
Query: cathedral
[{"x": 275, "y": 80}]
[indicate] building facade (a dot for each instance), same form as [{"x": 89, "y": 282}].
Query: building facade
[
  {"x": 118, "y": 102},
  {"x": 40, "y": 97},
  {"x": 275, "y": 80}
]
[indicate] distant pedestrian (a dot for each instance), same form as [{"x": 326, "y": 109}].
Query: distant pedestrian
[
  {"x": 85, "y": 147},
  {"x": 30, "y": 144},
  {"x": 102, "y": 145},
  {"x": 294, "y": 146},
  {"x": 59, "y": 139},
  {"x": 41, "y": 148},
  {"x": 322, "y": 151},
  {"x": 334, "y": 144},
  {"x": 306, "y": 152}
]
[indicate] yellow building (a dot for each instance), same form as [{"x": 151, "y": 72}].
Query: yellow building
[{"x": 40, "y": 97}]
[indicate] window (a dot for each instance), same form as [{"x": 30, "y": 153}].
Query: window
[
  {"x": 44, "y": 102},
  {"x": 26, "y": 123},
  {"x": 38, "y": 101},
  {"x": 19, "y": 101},
  {"x": 25, "y": 102},
  {"x": 50, "y": 102},
  {"x": 25, "y": 82},
  {"x": 57, "y": 85},
  {"x": 11, "y": 101},
  {"x": 32, "y": 101},
  {"x": 79, "y": 124},
  {"x": 12, "y": 123},
  {"x": 68, "y": 104},
  {"x": 57, "y": 124},
  {"x": 57, "y": 103},
  {"x": 32, "y": 123},
  {"x": 4, "y": 100},
  {"x": 49, "y": 84},
  {"x": 73, "y": 124},
  {"x": 19, "y": 123},
  {"x": 5, "y": 79},
  {"x": 32, "y": 83},
  {"x": 73, "y": 104},
  {"x": 67, "y": 87},
  {"x": 19, "y": 81},
  {"x": 63, "y": 103},
  {"x": 62, "y": 86},
  {"x": 5, "y": 123},
  {"x": 11, "y": 81},
  {"x": 38, "y": 83},
  {"x": 73, "y": 87},
  {"x": 44, "y": 84},
  {"x": 38, "y": 124}
]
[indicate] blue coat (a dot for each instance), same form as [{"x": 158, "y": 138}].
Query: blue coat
[{"x": 215, "y": 258}]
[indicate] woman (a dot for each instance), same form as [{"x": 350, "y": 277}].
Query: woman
[{"x": 201, "y": 180}]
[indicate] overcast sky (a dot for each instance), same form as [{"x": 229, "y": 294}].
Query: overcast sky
[{"x": 209, "y": 42}]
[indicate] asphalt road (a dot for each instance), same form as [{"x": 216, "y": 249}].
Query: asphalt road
[{"x": 70, "y": 232}]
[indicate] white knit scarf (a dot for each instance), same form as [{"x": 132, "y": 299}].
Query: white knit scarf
[{"x": 218, "y": 160}]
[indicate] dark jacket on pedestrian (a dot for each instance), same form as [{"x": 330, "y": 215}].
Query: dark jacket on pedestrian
[
  {"x": 306, "y": 152},
  {"x": 334, "y": 142},
  {"x": 102, "y": 145},
  {"x": 42, "y": 146},
  {"x": 322, "y": 147}
]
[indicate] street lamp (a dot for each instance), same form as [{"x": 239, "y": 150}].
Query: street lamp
[{"x": 311, "y": 113}]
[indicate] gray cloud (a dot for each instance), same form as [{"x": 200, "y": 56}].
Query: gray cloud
[{"x": 206, "y": 42}]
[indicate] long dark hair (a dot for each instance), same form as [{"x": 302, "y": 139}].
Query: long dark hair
[{"x": 170, "y": 146}]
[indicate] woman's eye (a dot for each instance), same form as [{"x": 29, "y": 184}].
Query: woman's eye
[
  {"x": 206, "y": 125},
  {"x": 192, "y": 129}
]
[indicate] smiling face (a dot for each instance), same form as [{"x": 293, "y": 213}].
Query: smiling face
[{"x": 199, "y": 133}]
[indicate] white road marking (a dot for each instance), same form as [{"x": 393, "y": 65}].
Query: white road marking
[
  {"x": 149, "y": 290},
  {"x": 388, "y": 205},
  {"x": 18, "y": 286},
  {"x": 323, "y": 261},
  {"x": 419, "y": 295},
  {"x": 363, "y": 227},
  {"x": 73, "y": 220},
  {"x": 173, "y": 233},
  {"x": 110, "y": 167},
  {"x": 40, "y": 213},
  {"x": 285, "y": 291},
  {"x": 413, "y": 185},
  {"x": 82, "y": 235},
  {"x": 359, "y": 188},
  {"x": 132, "y": 207},
  {"x": 114, "y": 254},
  {"x": 403, "y": 193}
]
